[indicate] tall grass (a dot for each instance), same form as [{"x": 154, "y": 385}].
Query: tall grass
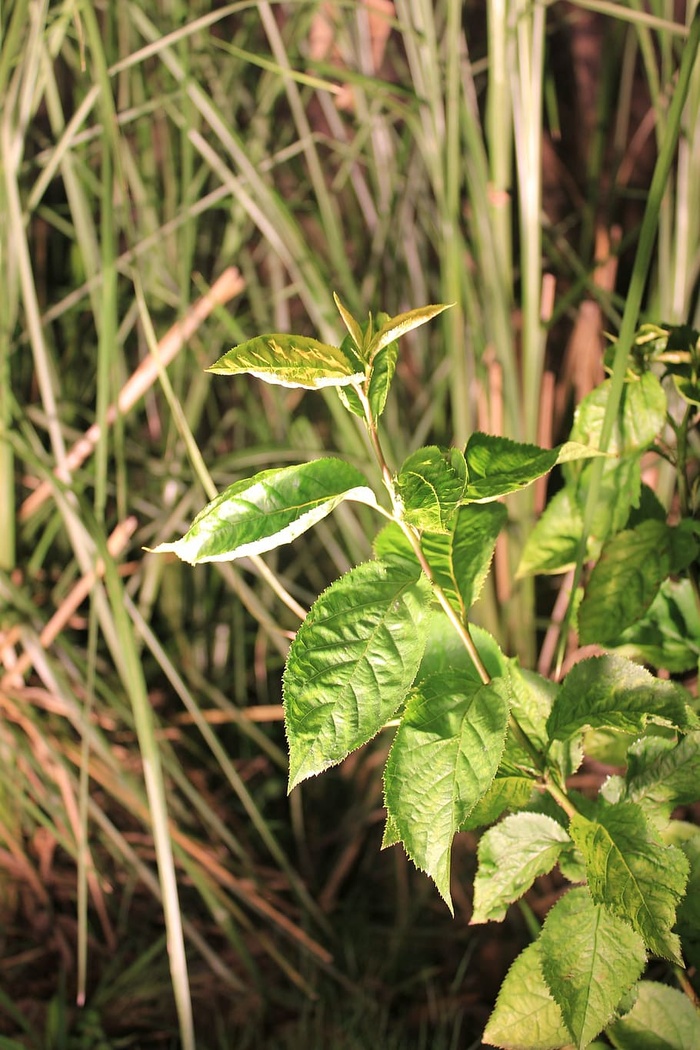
[{"x": 390, "y": 154}]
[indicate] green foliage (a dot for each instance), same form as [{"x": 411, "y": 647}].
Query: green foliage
[{"x": 389, "y": 647}]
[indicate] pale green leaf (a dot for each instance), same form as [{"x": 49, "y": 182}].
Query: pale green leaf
[
  {"x": 662, "y": 1018},
  {"x": 444, "y": 756},
  {"x": 619, "y": 492},
  {"x": 662, "y": 774},
  {"x": 552, "y": 545},
  {"x": 397, "y": 326},
  {"x": 633, "y": 874},
  {"x": 526, "y": 1017},
  {"x": 430, "y": 484},
  {"x": 590, "y": 960},
  {"x": 511, "y": 856},
  {"x": 290, "y": 360},
  {"x": 352, "y": 663},
  {"x": 614, "y": 693},
  {"x": 269, "y": 509},
  {"x": 624, "y": 582}
]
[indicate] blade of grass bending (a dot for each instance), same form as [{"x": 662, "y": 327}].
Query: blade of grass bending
[
  {"x": 630, "y": 317},
  {"x": 135, "y": 685}
]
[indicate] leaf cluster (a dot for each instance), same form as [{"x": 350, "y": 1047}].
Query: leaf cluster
[{"x": 478, "y": 741}]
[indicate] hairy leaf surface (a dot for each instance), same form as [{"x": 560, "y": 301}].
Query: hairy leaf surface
[
  {"x": 352, "y": 663},
  {"x": 291, "y": 360},
  {"x": 269, "y": 509},
  {"x": 633, "y": 874},
  {"x": 590, "y": 960},
  {"x": 443, "y": 759},
  {"x": 526, "y": 1016},
  {"x": 430, "y": 483},
  {"x": 662, "y": 774},
  {"x": 614, "y": 693},
  {"x": 511, "y": 856}
]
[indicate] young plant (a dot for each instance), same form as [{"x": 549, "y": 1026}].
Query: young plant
[{"x": 478, "y": 741}]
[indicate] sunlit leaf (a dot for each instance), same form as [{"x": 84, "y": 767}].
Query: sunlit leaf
[
  {"x": 290, "y": 360},
  {"x": 511, "y": 856},
  {"x": 430, "y": 483},
  {"x": 445, "y": 754},
  {"x": 526, "y": 1016},
  {"x": 633, "y": 874},
  {"x": 352, "y": 663},
  {"x": 269, "y": 509},
  {"x": 590, "y": 960},
  {"x": 397, "y": 326},
  {"x": 614, "y": 693},
  {"x": 662, "y": 1018}
]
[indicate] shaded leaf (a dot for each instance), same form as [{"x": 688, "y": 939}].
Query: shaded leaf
[
  {"x": 525, "y": 1016},
  {"x": 290, "y": 360},
  {"x": 269, "y": 509},
  {"x": 669, "y": 634},
  {"x": 624, "y": 582},
  {"x": 511, "y": 856},
  {"x": 662, "y": 1018},
  {"x": 590, "y": 960},
  {"x": 497, "y": 465},
  {"x": 633, "y": 874},
  {"x": 614, "y": 693},
  {"x": 444, "y": 756},
  {"x": 552, "y": 546},
  {"x": 352, "y": 663}
]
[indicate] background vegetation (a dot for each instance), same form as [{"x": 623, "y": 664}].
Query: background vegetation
[{"x": 175, "y": 179}]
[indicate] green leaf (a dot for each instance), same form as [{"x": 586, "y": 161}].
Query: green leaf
[
  {"x": 353, "y": 327},
  {"x": 625, "y": 581},
  {"x": 397, "y": 326},
  {"x": 662, "y": 774},
  {"x": 641, "y": 417},
  {"x": 352, "y": 663},
  {"x": 633, "y": 874},
  {"x": 590, "y": 960},
  {"x": 688, "y": 926},
  {"x": 430, "y": 485},
  {"x": 619, "y": 492},
  {"x": 613, "y": 693},
  {"x": 511, "y": 856},
  {"x": 269, "y": 509},
  {"x": 508, "y": 793},
  {"x": 463, "y": 563},
  {"x": 445, "y": 754},
  {"x": 497, "y": 465},
  {"x": 444, "y": 650},
  {"x": 552, "y": 546},
  {"x": 662, "y": 1018},
  {"x": 290, "y": 360},
  {"x": 669, "y": 634},
  {"x": 383, "y": 368},
  {"x": 526, "y": 1017}
]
